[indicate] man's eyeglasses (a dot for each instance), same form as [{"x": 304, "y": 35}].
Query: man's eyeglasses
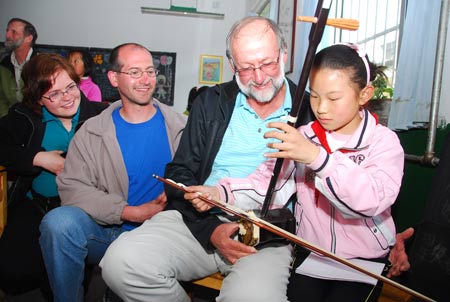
[
  {"x": 137, "y": 73},
  {"x": 58, "y": 95},
  {"x": 267, "y": 68}
]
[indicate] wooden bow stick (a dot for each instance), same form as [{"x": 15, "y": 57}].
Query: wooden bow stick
[
  {"x": 291, "y": 237},
  {"x": 348, "y": 24}
]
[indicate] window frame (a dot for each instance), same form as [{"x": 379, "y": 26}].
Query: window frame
[{"x": 359, "y": 9}]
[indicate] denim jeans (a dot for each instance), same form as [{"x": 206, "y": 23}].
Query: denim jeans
[{"x": 69, "y": 240}]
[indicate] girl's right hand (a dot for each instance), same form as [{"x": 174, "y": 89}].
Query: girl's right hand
[{"x": 293, "y": 145}]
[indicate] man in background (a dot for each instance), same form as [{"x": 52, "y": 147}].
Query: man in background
[{"x": 20, "y": 38}]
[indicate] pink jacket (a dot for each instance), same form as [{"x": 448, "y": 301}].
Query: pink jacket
[
  {"x": 90, "y": 89},
  {"x": 351, "y": 216}
]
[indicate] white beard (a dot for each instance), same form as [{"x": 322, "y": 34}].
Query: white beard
[{"x": 267, "y": 95}]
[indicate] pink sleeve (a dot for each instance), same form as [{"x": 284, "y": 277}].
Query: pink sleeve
[
  {"x": 249, "y": 193},
  {"x": 95, "y": 95}
]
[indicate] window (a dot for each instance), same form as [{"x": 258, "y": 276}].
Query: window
[{"x": 379, "y": 28}]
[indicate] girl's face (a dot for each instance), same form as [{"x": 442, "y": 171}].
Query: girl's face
[
  {"x": 336, "y": 101},
  {"x": 64, "y": 96},
  {"x": 77, "y": 62}
]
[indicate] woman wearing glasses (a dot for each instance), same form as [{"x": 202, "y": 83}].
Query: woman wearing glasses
[{"x": 34, "y": 137}]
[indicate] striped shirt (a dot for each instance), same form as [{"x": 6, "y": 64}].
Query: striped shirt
[{"x": 244, "y": 144}]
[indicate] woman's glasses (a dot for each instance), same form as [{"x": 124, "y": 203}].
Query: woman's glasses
[{"x": 58, "y": 95}]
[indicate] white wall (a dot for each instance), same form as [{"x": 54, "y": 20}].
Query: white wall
[{"x": 108, "y": 23}]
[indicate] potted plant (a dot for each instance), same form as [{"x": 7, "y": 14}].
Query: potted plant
[
  {"x": 383, "y": 88},
  {"x": 380, "y": 103}
]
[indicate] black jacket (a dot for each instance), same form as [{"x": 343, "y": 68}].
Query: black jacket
[
  {"x": 21, "y": 135},
  {"x": 6, "y": 61},
  {"x": 200, "y": 142}
]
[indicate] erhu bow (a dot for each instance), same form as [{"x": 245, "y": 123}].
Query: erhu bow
[{"x": 291, "y": 237}]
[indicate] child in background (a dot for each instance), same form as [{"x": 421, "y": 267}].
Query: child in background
[
  {"x": 346, "y": 170},
  {"x": 82, "y": 62},
  {"x": 193, "y": 93}
]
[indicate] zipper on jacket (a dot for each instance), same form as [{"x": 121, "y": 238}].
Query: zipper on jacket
[
  {"x": 333, "y": 231},
  {"x": 32, "y": 125}
]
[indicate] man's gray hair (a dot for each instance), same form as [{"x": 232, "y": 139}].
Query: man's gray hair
[{"x": 234, "y": 31}]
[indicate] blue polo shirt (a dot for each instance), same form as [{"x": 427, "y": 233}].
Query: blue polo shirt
[
  {"x": 56, "y": 137},
  {"x": 243, "y": 144}
]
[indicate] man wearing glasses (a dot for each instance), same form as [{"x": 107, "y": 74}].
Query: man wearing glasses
[
  {"x": 223, "y": 137},
  {"x": 106, "y": 187}
]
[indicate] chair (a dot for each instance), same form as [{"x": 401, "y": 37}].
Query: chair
[
  {"x": 213, "y": 281},
  {"x": 388, "y": 293},
  {"x": 392, "y": 294},
  {"x": 3, "y": 198}
]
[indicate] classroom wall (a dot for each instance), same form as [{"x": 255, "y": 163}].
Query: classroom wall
[{"x": 108, "y": 23}]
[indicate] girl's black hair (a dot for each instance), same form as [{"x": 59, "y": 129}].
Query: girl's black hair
[
  {"x": 341, "y": 56},
  {"x": 87, "y": 61}
]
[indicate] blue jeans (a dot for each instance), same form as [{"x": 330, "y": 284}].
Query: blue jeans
[{"x": 69, "y": 239}]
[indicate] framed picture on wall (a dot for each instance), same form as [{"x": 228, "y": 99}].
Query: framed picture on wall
[{"x": 211, "y": 68}]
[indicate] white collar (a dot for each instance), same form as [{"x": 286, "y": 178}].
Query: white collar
[{"x": 14, "y": 59}]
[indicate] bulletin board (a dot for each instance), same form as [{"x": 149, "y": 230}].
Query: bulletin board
[{"x": 165, "y": 62}]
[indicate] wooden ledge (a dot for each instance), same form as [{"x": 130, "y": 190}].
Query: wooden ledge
[{"x": 213, "y": 281}]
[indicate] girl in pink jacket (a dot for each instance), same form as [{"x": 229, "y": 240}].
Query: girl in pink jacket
[{"x": 346, "y": 170}]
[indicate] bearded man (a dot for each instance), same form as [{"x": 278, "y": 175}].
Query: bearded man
[{"x": 20, "y": 38}]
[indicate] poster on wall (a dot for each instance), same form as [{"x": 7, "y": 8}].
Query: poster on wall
[
  {"x": 165, "y": 80},
  {"x": 164, "y": 62},
  {"x": 211, "y": 68}
]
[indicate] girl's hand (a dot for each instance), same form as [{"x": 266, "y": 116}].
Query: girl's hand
[
  {"x": 292, "y": 146},
  {"x": 206, "y": 191}
]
